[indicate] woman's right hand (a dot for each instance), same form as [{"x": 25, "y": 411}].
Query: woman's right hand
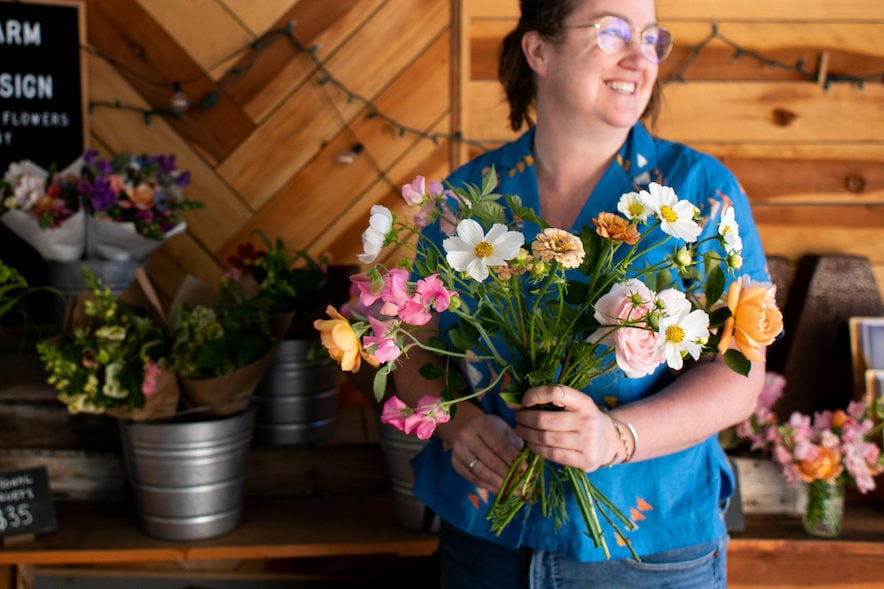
[{"x": 483, "y": 447}]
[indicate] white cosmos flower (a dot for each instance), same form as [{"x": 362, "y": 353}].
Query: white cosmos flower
[
  {"x": 729, "y": 230},
  {"x": 471, "y": 251},
  {"x": 633, "y": 207},
  {"x": 676, "y": 216},
  {"x": 379, "y": 225},
  {"x": 680, "y": 334}
]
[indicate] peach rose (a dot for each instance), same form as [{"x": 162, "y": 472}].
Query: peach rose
[
  {"x": 342, "y": 342},
  {"x": 826, "y": 466},
  {"x": 755, "y": 319}
]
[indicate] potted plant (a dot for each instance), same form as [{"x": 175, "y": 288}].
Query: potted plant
[{"x": 297, "y": 398}]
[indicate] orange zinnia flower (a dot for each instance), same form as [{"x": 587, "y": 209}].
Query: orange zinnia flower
[
  {"x": 755, "y": 320},
  {"x": 342, "y": 343},
  {"x": 610, "y": 226}
]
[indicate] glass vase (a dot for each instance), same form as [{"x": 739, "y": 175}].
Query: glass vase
[{"x": 824, "y": 512}]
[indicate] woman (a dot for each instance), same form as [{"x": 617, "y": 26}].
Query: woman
[{"x": 588, "y": 69}]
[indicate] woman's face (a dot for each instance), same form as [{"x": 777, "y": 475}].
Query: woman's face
[{"x": 585, "y": 82}]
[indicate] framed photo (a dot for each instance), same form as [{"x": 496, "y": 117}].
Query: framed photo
[
  {"x": 874, "y": 385},
  {"x": 867, "y": 354}
]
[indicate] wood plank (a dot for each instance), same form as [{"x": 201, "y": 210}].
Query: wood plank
[
  {"x": 267, "y": 160},
  {"x": 761, "y": 112},
  {"x": 283, "y": 66},
  {"x": 209, "y": 45},
  {"x": 426, "y": 159},
  {"x": 151, "y": 61},
  {"x": 859, "y": 10},
  {"x": 300, "y": 212},
  {"x": 258, "y": 15},
  {"x": 840, "y": 182},
  {"x": 853, "y": 50}
]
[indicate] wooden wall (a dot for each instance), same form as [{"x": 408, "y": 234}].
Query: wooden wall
[
  {"x": 809, "y": 153},
  {"x": 370, "y": 72},
  {"x": 390, "y": 75}
]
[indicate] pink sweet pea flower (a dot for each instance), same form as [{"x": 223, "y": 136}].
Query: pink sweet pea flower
[
  {"x": 415, "y": 312},
  {"x": 432, "y": 413},
  {"x": 395, "y": 292},
  {"x": 415, "y": 192},
  {"x": 433, "y": 293},
  {"x": 421, "y": 421},
  {"x": 369, "y": 290},
  {"x": 387, "y": 348},
  {"x": 395, "y": 412}
]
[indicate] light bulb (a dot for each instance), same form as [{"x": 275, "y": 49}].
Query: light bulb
[
  {"x": 179, "y": 103},
  {"x": 348, "y": 156}
]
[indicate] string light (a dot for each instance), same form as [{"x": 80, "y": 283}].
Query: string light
[
  {"x": 180, "y": 102},
  {"x": 348, "y": 156}
]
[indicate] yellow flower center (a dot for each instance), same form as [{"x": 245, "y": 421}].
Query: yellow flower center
[
  {"x": 668, "y": 214},
  {"x": 483, "y": 249},
  {"x": 636, "y": 209},
  {"x": 674, "y": 334}
]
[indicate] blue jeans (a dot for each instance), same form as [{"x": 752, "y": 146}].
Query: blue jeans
[{"x": 468, "y": 562}]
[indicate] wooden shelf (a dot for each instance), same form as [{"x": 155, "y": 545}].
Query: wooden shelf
[
  {"x": 773, "y": 551},
  {"x": 272, "y": 529}
]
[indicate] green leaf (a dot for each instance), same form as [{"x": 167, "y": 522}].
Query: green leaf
[
  {"x": 714, "y": 285},
  {"x": 576, "y": 292},
  {"x": 431, "y": 371},
  {"x": 511, "y": 398},
  {"x": 737, "y": 362},
  {"x": 461, "y": 339},
  {"x": 379, "y": 384},
  {"x": 489, "y": 181}
]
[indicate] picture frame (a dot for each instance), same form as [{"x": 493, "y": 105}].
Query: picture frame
[{"x": 867, "y": 355}]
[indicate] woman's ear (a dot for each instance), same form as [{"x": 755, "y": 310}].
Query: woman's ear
[{"x": 534, "y": 47}]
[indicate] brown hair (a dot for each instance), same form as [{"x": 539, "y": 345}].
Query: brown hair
[{"x": 547, "y": 17}]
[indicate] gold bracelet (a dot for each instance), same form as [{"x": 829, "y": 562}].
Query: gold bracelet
[{"x": 619, "y": 424}]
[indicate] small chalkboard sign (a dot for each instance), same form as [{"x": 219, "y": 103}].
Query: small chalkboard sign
[
  {"x": 42, "y": 82},
  {"x": 26, "y": 505}
]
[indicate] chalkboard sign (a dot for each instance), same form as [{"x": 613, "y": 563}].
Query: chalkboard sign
[
  {"x": 26, "y": 505},
  {"x": 42, "y": 83}
]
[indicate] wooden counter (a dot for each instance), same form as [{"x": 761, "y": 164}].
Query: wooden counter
[{"x": 772, "y": 552}]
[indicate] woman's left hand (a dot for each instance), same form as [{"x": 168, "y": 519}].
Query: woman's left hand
[{"x": 576, "y": 434}]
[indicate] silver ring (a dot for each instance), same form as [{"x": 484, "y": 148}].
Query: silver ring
[{"x": 472, "y": 463}]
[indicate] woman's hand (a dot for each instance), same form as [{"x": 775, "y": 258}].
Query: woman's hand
[
  {"x": 577, "y": 434},
  {"x": 482, "y": 446}
]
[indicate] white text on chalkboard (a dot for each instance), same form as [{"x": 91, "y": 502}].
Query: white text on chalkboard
[{"x": 14, "y": 32}]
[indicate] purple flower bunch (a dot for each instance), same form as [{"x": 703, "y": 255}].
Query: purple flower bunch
[{"x": 144, "y": 190}]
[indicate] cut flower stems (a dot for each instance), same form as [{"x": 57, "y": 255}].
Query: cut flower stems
[{"x": 545, "y": 308}]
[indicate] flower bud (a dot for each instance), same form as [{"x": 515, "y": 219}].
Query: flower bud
[
  {"x": 683, "y": 258},
  {"x": 538, "y": 269},
  {"x": 735, "y": 261}
]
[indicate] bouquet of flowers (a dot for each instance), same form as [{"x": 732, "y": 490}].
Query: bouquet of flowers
[
  {"x": 133, "y": 203},
  {"x": 222, "y": 343},
  {"x": 831, "y": 447},
  {"x": 571, "y": 308},
  {"x": 43, "y": 208},
  {"x": 296, "y": 286},
  {"x": 112, "y": 357}
]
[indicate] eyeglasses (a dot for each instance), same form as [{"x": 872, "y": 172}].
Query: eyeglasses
[{"x": 613, "y": 35}]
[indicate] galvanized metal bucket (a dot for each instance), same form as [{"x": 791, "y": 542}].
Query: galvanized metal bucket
[
  {"x": 67, "y": 277},
  {"x": 408, "y": 511},
  {"x": 296, "y": 400},
  {"x": 188, "y": 477}
]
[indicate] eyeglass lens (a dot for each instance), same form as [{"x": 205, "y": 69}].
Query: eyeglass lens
[{"x": 614, "y": 35}]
